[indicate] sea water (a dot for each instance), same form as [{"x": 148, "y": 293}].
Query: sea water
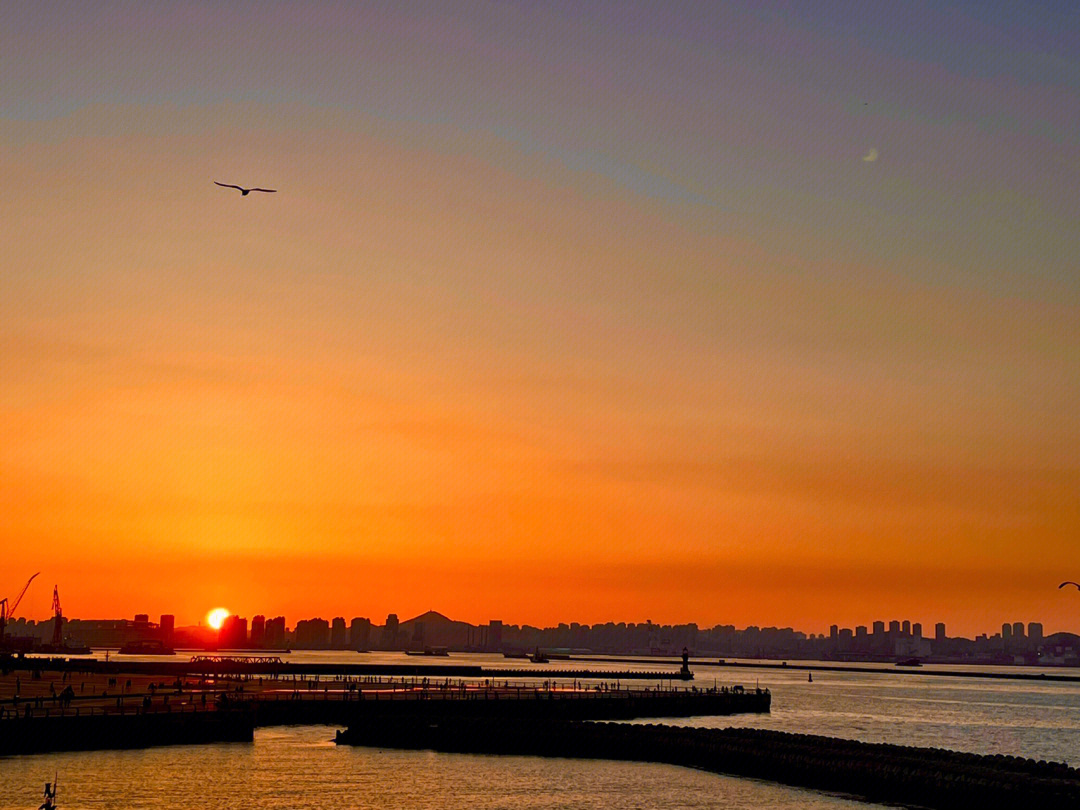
[{"x": 300, "y": 768}]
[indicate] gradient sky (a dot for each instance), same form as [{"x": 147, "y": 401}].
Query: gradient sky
[{"x": 562, "y": 312}]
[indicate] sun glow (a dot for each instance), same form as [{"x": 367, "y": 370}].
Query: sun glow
[{"x": 216, "y": 617}]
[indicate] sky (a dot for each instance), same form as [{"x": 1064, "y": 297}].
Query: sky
[{"x": 739, "y": 313}]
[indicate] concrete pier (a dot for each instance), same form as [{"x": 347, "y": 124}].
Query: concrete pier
[
  {"x": 507, "y": 702},
  {"x": 99, "y": 730},
  {"x": 276, "y": 666},
  {"x": 131, "y": 712},
  {"x": 916, "y": 777}
]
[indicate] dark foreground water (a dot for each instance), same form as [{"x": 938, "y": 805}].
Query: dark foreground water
[{"x": 298, "y": 768}]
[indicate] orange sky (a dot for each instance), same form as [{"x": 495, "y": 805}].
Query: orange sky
[{"x": 505, "y": 358}]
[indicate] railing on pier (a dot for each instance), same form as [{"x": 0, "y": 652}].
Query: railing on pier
[
  {"x": 130, "y": 710},
  {"x": 217, "y": 661},
  {"x": 207, "y": 695},
  {"x": 208, "y": 713}
]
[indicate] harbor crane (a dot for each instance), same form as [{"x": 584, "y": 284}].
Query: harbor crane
[
  {"x": 8, "y": 608},
  {"x": 58, "y": 620}
]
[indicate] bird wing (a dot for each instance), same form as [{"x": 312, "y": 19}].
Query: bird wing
[
  {"x": 267, "y": 190},
  {"x": 1068, "y": 582},
  {"x": 227, "y": 185}
]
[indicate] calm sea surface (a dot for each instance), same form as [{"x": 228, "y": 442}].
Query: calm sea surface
[
  {"x": 298, "y": 768},
  {"x": 982, "y": 716}
]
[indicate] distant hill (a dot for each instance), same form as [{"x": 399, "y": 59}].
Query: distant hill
[
  {"x": 433, "y": 629},
  {"x": 1063, "y": 639}
]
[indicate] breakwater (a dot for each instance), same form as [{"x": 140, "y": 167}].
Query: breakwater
[
  {"x": 88, "y": 730},
  {"x": 1009, "y": 672},
  {"x": 919, "y": 777},
  {"x": 1018, "y": 674},
  {"x": 589, "y": 674}
]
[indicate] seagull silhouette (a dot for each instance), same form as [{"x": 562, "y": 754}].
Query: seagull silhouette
[
  {"x": 245, "y": 191},
  {"x": 1068, "y": 582}
]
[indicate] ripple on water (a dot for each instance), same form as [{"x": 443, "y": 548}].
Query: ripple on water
[{"x": 298, "y": 768}]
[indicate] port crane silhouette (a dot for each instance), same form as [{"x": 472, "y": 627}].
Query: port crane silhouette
[
  {"x": 58, "y": 620},
  {"x": 8, "y": 608}
]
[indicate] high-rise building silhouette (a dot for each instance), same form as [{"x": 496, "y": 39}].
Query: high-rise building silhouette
[
  {"x": 166, "y": 628},
  {"x": 312, "y": 634},
  {"x": 495, "y": 635},
  {"x": 257, "y": 635},
  {"x": 233, "y": 633},
  {"x": 390, "y": 632},
  {"x": 339, "y": 637},
  {"x": 274, "y": 633},
  {"x": 359, "y": 634}
]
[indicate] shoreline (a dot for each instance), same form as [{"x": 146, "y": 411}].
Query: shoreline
[
  {"x": 853, "y": 666},
  {"x": 462, "y": 668}
]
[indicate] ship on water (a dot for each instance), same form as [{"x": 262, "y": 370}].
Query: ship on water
[
  {"x": 66, "y": 647},
  {"x": 148, "y": 646}
]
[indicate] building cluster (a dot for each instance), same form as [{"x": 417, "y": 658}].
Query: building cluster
[
  {"x": 264, "y": 633},
  {"x": 105, "y": 633},
  {"x": 1017, "y": 643},
  {"x": 899, "y": 640}
]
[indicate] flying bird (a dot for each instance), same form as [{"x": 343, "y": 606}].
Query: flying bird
[
  {"x": 870, "y": 156},
  {"x": 1069, "y": 582},
  {"x": 245, "y": 191}
]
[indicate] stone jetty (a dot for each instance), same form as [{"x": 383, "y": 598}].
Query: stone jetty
[
  {"x": 914, "y": 777},
  {"x": 86, "y": 729}
]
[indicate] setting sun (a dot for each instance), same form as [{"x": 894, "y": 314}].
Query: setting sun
[{"x": 216, "y": 617}]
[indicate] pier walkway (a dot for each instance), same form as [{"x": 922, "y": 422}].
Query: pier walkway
[
  {"x": 275, "y": 666},
  {"x": 62, "y": 711}
]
